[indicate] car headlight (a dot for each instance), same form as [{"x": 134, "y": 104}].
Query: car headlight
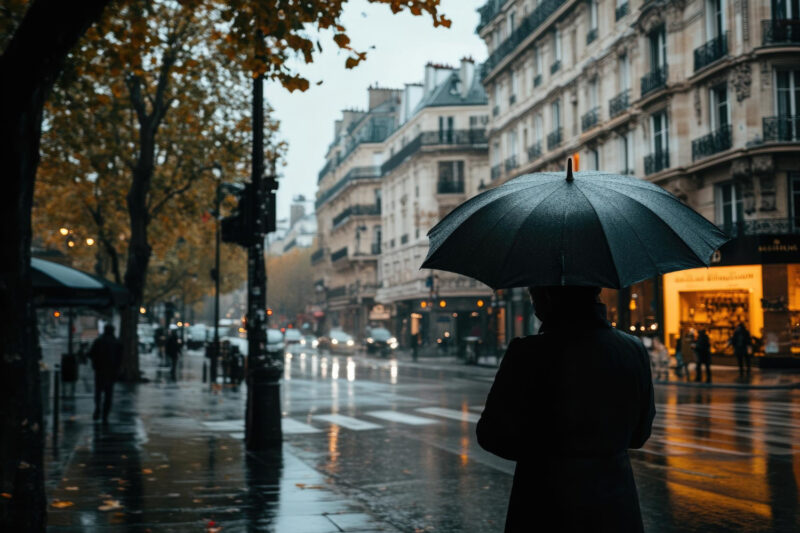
[
  {"x": 392, "y": 340},
  {"x": 334, "y": 341},
  {"x": 394, "y": 345},
  {"x": 303, "y": 342},
  {"x": 350, "y": 342},
  {"x": 370, "y": 340},
  {"x": 314, "y": 343}
]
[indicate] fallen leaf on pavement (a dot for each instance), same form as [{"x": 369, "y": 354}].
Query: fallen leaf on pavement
[
  {"x": 71, "y": 488},
  {"x": 147, "y": 470},
  {"x": 7, "y": 495},
  {"x": 61, "y": 504},
  {"x": 110, "y": 505}
]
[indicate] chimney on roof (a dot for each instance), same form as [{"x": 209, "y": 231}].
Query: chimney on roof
[
  {"x": 466, "y": 75},
  {"x": 379, "y": 95}
]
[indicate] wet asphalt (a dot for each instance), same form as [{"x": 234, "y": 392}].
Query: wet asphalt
[{"x": 375, "y": 444}]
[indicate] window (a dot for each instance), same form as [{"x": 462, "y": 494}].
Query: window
[
  {"x": 593, "y": 94},
  {"x": 622, "y": 156},
  {"x": 496, "y": 153},
  {"x": 537, "y": 60},
  {"x": 512, "y": 22},
  {"x": 451, "y": 177},
  {"x": 593, "y": 15},
  {"x": 556, "y": 45},
  {"x": 658, "y": 123},
  {"x": 378, "y": 199},
  {"x": 555, "y": 113},
  {"x": 624, "y": 73},
  {"x": 658, "y": 49},
  {"x": 729, "y": 205},
  {"x": 785, "y": 9},
  {"x": 538, "y": 130},
  {"x": 446, "y": 129},
  {"x": 477, "y": 121},
  {"x": 715, "y": 18},
  {"x": 513, "y": 83},
  {"x": 787, "y": 92},
  {"x": 593, "y": 159},
  {"x": 718, "y": 98},
  {"x": 512, "y": 143}
]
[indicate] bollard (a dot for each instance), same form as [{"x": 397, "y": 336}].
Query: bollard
[{"x": 56, "y": 399}]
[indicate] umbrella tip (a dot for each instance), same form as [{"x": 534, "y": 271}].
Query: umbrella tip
[{"x": 570, "y": 178}]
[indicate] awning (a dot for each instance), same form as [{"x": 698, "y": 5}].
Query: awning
[{"x": 56, "y": 285}]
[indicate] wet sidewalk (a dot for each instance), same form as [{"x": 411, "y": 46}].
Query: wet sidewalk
[{"x": 158, "y": 466}]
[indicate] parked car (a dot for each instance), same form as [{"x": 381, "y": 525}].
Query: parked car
[
  {"x": 380, "y": 341},
  {"x": 198, "y": 335},
  {"x": 337, "y": 341},
  {"x": 309, "y": 342},
  {"x": 147, "y": 337},
  {"x": 292, "y": 336},
  {"x": 275, "y": 343}
]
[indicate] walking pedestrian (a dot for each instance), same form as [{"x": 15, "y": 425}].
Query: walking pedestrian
[
  {"x": 660, "y": 359},
  {"x": 742, "y": 343},
  {"x": 106, "y": 356},
  {"x": 702, "y": 349},
  {"x": 573, "y": 471},
  {"x": 687, "y": 351},
  {"x": 173, "y": 349}
]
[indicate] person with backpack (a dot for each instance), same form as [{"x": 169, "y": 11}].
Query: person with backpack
[{"x": 106, "y": 357}]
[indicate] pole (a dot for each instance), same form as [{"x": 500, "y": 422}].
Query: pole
[
  {"x": 263, "y": 416},
  {"x": 215, "y": 347},
  {"x": 69, "y": 333}
]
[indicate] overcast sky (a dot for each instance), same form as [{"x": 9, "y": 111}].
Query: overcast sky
[{"x": 402, "y": 45}]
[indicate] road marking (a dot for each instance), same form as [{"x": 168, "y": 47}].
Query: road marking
[
  {"x": 463, "y": 416},
  {"x": 347, "y": 422},
  {"x": 291, "y": 426},
  {"x": 225, "y": 425},
  {"x": 394, "y": 416},
  {"x": 237, "y": 436},
  {"x": 478, "y": 408}
]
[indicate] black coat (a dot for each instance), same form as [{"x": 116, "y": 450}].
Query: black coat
[
  {"x": 106, "y": 356},
  {"x": 566, "y": 405}
]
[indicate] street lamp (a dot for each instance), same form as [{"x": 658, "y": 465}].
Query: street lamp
[{"x": 217, "y": 171}]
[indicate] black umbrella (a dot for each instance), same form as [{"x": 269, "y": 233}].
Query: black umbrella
[{"x": 592, "y": 228}]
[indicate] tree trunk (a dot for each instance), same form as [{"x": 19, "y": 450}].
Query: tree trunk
[{"x": 29, "y": 67}]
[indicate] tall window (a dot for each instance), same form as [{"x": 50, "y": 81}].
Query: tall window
[
  {"x": 538, "y": 130},
  {"x": 729, "y": 205},
  {"x": 658, "y": 122},
  {"x": 556, "y": 45},
  {"x": 715, "y": 18},
  {"x": 514, "y": 82},
  {"x": 451, "y": 176},
  {"x": 555, "y": 113},
  {"x": 787, "y": 103},
  {"x": 495, "y": 153},
  {"x": 624, "y": 72},
  {"x": 623, "y": 155},
  {"x": 512, "y": 22},
  {"x": 785, "y": 9},
  {"x": 593, "y": 94},
  {"x": 718, "y": 97},
  {"x": 446, "y": 129},
  {"x": 658, "y": 49},
  {"x": 593, "y": 159},
  {"x": 512, "y": 143},
  {"x": 593, "y": 15}
]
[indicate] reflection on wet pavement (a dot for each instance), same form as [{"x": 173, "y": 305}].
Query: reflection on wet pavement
[{"x": 385, "y": 445}]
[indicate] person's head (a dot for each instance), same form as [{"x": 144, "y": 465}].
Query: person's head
[
  {"x": 109, "y": 330},
  {"x": 555, "y": 300}
]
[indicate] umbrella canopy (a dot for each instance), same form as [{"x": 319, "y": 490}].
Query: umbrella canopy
[
  {"x": 588, "y": 228},
  {"x": 56, "y": 285}
]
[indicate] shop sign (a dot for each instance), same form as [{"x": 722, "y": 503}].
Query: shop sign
[
  {"x": 759, "y": 249},
  {"x": 379, "y": 312}
]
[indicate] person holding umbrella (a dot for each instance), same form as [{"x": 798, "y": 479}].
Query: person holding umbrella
[{"x": 568, "y": 403}]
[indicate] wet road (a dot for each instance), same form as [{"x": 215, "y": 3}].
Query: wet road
[{"x": 398, "y": 439}]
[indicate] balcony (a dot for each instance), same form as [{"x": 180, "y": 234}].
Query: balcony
[
  {"x": 488, "y": 12},
  {"x": 527, "y": 26},
  {"x": 355, "y": 210},
  {"x": 375, "y": 248},
  {"x": 716, "y": 141},
  {"x": 785, "y": 128},
  {"x": 357, "y": 173},
  {"x": 337, "y": 292},
  {"x": 780, "y": 31},
  {"x": 655, "y": 79},
  {"x": 621, "y": 11},
  {"x": 450, "y": 187},
  {"x": 764, "y": 226},
  {"x": 535, "y": 151},
  {"x": 430, "y": 138},
  {"x": 512, "y": 99},
  {"x": 553, "y": 139},
  {"x": 511, "y": 163},
  {"x": 591, "y": 36},
  {"x": 619, "y": 103},
  {"x": 590, "y": 119},
  {"x": 328, "y": 166},
  {"x": 656, "y": 162},
  {"x": 317, "y": 256},
  {"x": 712, "y": 51},
  {"x": 339, "y": 254},
  {"x": 537, "y": 80},
  {"x": 555, "y": 67},
  {"x": 497, "y": 171}
]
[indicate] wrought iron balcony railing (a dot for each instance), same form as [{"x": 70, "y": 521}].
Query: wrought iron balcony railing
[
  {"x": 716, "y": 141},
  {"x": 497, "y": 171},
  {"x": 495, "y": 110},
  {"x": 784, "y": 128},
  {"x": 655, "y": 79},
  {"x": 375, "y": 248},
  {"x": 712, "y": 51},
  {"x": 526, "y": 27},
  {"x": 591, "y": 36},
  {"x": 317, "y": 256},
  {"x": 355, "y": 210},
  {"x": 621, "y": 11},
  {"x": 656, "y": 162},
  {"x": 428, "y": 138},
  {"x": 763, "y": 226},
  {"x": 512, "y": 99},
  {"x": 339, "y": 254},
  {"x": 537, "y": 80},
  {"x": 535, "y": 150},
  {"x": 511, "y": 163},
  {"x": 488, "y": 12},
  {"x": 553, "y": 139},
  {"x": 590, "y": 119},
  {"x": 356, "y": 173},
  {"x": 328, "y": 166},
  {"x": 780, "y": 31},
  {"x": 555, "y": 67},
  {"x": 619, "y": 103},
  {"x": 450, "y": 187}
]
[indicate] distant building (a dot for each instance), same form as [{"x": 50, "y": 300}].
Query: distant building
[{"x": 299, "y": 231}]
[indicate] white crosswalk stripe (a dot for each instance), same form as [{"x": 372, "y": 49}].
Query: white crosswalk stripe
[
  {"x": 453, "y": 414},
  {"x": 292, "y": 426},
  {"x": 347, "y": 422},
  {"x": 402, "y": 418}
]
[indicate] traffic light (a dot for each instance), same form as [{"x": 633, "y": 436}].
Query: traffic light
[{"x": 238, "y": 228}]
